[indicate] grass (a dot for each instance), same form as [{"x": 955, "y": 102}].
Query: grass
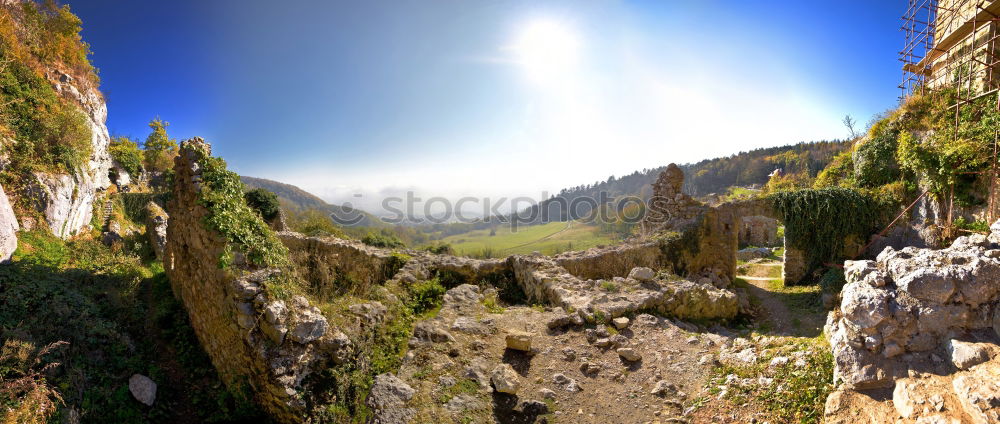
[
  {"x": 115, "y": 310},
  {"x": 797, "y": 394},
  {"x": 551, "y": 238}
]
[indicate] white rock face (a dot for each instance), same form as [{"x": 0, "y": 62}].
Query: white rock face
[
  {"x": 8, "y": 228},
  {"x": 68, "y": 200}
]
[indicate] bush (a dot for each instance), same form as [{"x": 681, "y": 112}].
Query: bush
[
  {"x": 440, "y": 249},
  {"x": 264, "y": 202},
  {"x": 382, "y": 239},
  {"x": 314, "y": 222},
  {"x": 425, "y": 296},
  {"x": 127, "y": 153},
  {"x": 875, "y": 156}
]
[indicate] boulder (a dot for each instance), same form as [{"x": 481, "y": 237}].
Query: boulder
[
  {"x": 629, "y": 354},
  {"x": 8, "y": 228},
  {"x": 964, "y": 355},
  {"x": 620, "y": 322},
  {"x": 519, "y": 340},
  {"x": 642, "y": 273},
  {"x": 978, "y": 391},
  {"x": 388, "y": 390},
  {"x": 143, "y": 389},
  {"x": 505, "y": 379},
  {"x": 67, "y": 201}
]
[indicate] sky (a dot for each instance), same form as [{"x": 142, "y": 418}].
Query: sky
[{"x": 488, "y": 98}]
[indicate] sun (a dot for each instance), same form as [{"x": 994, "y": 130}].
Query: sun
[{"x": 548, "y": 50}]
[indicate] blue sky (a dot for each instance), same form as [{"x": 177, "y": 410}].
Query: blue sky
[{"x": 488, "y": 98}]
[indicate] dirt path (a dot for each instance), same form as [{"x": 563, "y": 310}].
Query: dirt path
[{"x": 785, "y": 309}]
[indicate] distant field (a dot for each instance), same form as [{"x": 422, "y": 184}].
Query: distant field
[{"x": 550, "y": 238}]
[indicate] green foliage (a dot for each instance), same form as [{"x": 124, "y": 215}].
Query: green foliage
[
  {"x": 609, "y": 286},
  {"x": 159, "y": 149},
  {"x": 425, "y": 296},
  {"x": 313, "y": 222},
  {"x": 127, "y": 153},
  {"x": 382, "y": 238},
  {"x": 264, "y": 202},
  {"x": 818, "y": 221},
  {"x": 832, "y": 281},
  {"x": 875, "y": 156},
  {"x": 440, "y": 248},
  {"x": 800, "y": 396},
  {"x": 222, "y": 195},
  {"x": 50, "y": 134},
  {"x": 118, "y": 316},
  {"x": 839, "y": 173},
  {"x": 980, "y": 226},
  {"x": 43, "y": 33},
  {"x": 349, "y": 384}
]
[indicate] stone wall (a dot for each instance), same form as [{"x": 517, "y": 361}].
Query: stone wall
[
  {"x": 269, "y": 344},
  {"x": 330, "y": 264},
  {"x": 901, "y": 311},
  {"x": 760, "y": 231}
]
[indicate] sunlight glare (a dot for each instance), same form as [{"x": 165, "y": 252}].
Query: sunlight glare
[{"x": 547, "y": 50}]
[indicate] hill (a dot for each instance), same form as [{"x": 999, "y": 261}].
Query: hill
[
  {"x": 701, "y": 178},
  {"x": 297, "y": 199}
]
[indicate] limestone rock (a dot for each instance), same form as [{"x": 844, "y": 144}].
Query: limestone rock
[
  {"x": 978, "y": 391},
  {"x": 964, "y": 355},
  {"x": 156, "y": 228},
  {"x": 142, "y": 388},
  {"x": 642, "y": 273},
  {"x": 8, "y": 228},
  {"x": 629, "y": 354},
  {"x": 388, "y": 397},
  {"x": 67, "y": 201},
  {"x": 505, "y": 379},
  {"x": 620, "y": 322},
  {"x": 519, "y": 340},
  {"x": 663, "y": 388},
  {"x": 309, "y": 325}
]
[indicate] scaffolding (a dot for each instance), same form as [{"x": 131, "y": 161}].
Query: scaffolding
[{"x": 953, "y": 43}]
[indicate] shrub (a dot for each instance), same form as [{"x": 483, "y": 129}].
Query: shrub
[
  {"x": 425, "y": 296},
  {"x": 127, "y": 153},
  {"x": 382, "y": 238},
  {"x": 440, "y": 249},
  {"x": 314, "y": 222},
  {"x": 264, "y": 202},
  {"x": 875, "y": 156}
]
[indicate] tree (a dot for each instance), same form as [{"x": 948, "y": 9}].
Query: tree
[
  {"x": 126, "y": 152},
  {"x": 159, "y": 148},
  {"x": 264, "y": 202},
  {"x": 849, "y": 123}
]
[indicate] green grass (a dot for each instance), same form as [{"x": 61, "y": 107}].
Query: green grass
[
  {"x": 116, "y": 311},
  {"x": 798, "y": 394},
  {"x": 551, "y": 238}
]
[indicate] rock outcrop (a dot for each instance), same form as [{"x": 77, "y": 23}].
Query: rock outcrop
[
  {"x": 67, "y": 200},
  {"x": 156, "y": 228},
  {"x": 8, "y": 228},
  {"x": 904, "y": 307}
]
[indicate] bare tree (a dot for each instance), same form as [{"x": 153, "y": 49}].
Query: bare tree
[{"x": 849, "y": 123}]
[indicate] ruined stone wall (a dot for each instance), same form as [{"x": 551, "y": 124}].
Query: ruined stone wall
[
  {"x": 901, "y": 311},
  {"x": 760, "y": 231},
  {"x": 252, "y": 338},
  {"x": 332, "y": 265}
]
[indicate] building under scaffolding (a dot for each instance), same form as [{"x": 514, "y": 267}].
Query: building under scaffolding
[
  {"x": 954, "y": 43},
  {"x": 951, "y": 42}
]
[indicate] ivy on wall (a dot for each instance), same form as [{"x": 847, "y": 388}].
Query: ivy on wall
[{"x": 818, "y": 221}]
